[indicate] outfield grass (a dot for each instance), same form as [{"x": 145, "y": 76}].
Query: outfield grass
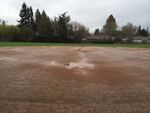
[{"x": 15, "y": 44}]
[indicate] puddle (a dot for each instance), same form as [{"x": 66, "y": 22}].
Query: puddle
[
  {"x": 8, "y": 59},
  {"x": 79, "y": 65},
  {"x": 72, "y": 65}
]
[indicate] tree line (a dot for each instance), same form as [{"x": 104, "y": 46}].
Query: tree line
[
  {"x": 127, "y": 31},
  {"x": 39, "y": 27}
]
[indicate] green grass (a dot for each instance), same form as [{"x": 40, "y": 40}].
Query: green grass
[{"x": 15, "y": 44}]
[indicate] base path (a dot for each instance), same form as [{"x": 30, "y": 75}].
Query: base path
[{"x": 74, "y": 80}]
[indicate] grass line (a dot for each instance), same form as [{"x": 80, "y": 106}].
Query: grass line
[{"x": 16, "y": 44}]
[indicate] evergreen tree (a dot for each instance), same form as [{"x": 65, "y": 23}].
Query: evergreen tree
[
  {"x": 38, "y": 20},
  {"x": 55, "y": 26},
  {"x": 96, "y": 32},
  {"x": 31, "y": 19},
  {"x": 24, "y": 15},
  {"x": 139, "y": 31},
  {"x": 63, "y": 23},
  {"x": 26, "y": 18},
  {"x": 110, "y": 27},
  {"x": 43, "y": 23},
  {"x": 4, "y": 23},
  {"x": 144, "y": 32},
  {"x": 50, "y": 26}
]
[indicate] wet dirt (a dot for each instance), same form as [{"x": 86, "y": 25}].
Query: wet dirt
[{"x": 74, "y": 80}]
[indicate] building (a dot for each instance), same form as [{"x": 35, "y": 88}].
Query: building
[
  {"x": 99, "y": 38},
  {"x": 141, "y": 40}
]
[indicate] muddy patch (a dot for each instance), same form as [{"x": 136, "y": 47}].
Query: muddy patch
[
  {"x": 79, "y": 65},
  {"x": 74, "y": 80}
]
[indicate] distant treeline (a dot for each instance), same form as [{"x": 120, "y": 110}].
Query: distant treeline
[
  {"x": 129, "y": 30},
  {"x": 39, "y": 27}
]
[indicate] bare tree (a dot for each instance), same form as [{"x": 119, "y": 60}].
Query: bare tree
[{"x": 80, "y": 31}]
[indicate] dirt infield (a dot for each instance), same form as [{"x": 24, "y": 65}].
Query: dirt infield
[{"x": 74, "y": 80}]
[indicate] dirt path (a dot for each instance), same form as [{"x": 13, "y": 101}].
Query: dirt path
[{"x": 74, "y": 80}]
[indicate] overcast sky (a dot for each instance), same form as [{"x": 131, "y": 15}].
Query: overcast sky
[{"x": 92, "y": 13}]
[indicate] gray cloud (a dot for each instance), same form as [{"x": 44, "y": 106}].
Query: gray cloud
[{"x": 92, "y": 13}]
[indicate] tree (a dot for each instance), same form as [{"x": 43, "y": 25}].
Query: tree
[
  {"x": 26, "y": 18},
  {"x": 3, "y": 22},
  {"x": 79, "y": 31},
  {"x": 110, "y": 27},
  {"x": 129, "y": 30},
  {"x": 139, "y": 31},
  {"x": 142, "y": 32},
  {"x": 24, "y": 15},
  {"x": 38, "y": 20},
  {"x": 97, "y": 32},
  {"x": 43, "y": 23},
  {"x": 31, "y": 19},
  {"x": 55, "y": 26},
  {"x": 8, "y": 32},
  {"x": 63, "y": 23},
  {"x": 46, "y": 24}
]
